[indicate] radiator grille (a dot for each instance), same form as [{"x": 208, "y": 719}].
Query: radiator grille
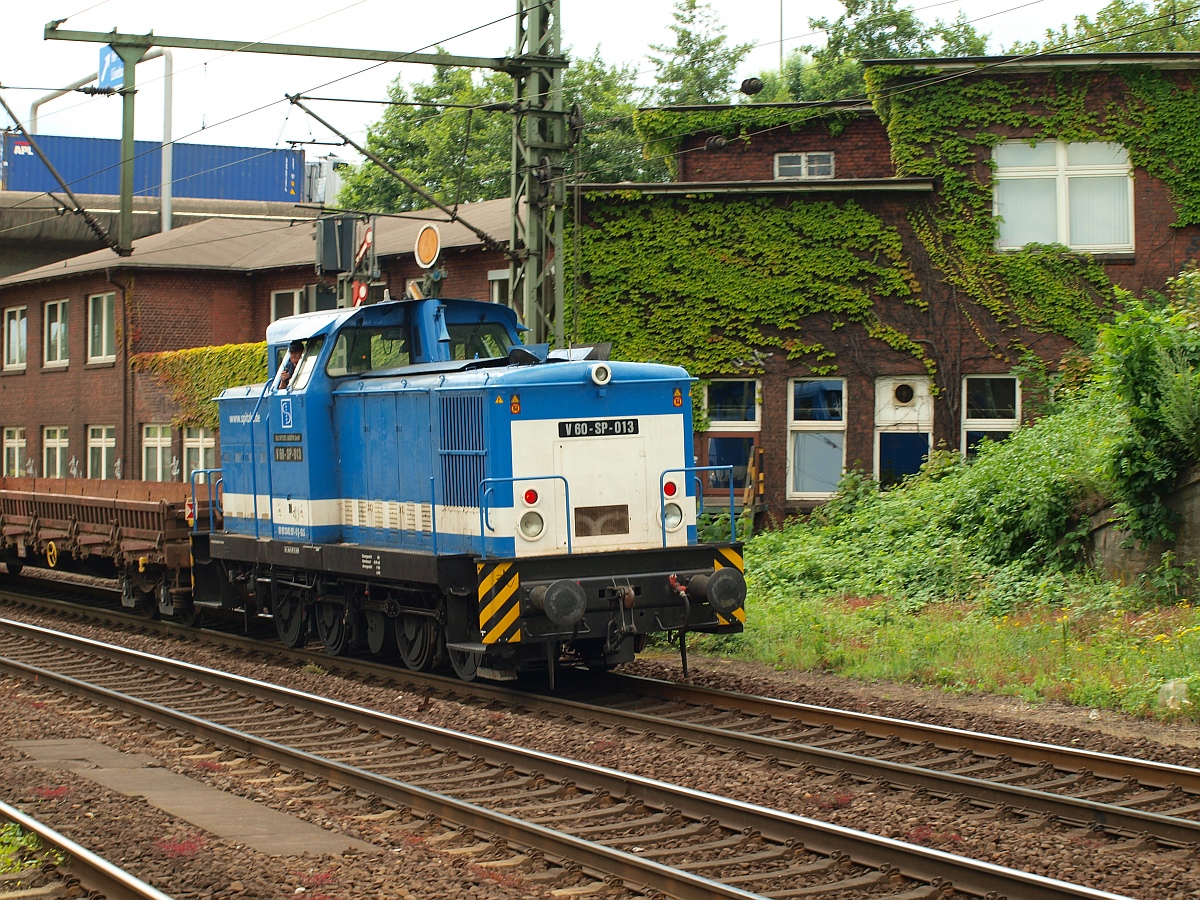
[
  {"x": 597, "y": 521},
  {"x": 463, "y": 449}
]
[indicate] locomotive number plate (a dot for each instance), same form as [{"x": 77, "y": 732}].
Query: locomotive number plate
[{"x": 598, "y": 428}]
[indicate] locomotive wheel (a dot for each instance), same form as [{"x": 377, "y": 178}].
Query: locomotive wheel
[
  {"x": 465, "y": 663},
  {"x": 14, "y": 569},
  {"x": 332, "y": 627},
  {"x": 379, "y": 632},
  {"x": 414, "y": 639},
  {"x": 291, "y": 624}
]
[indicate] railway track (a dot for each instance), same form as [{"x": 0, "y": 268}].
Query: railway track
[
  {"x": 1117, "y": 794},
  {"x": 80, "y": 869},
  {"x": 647, "y": 833}
]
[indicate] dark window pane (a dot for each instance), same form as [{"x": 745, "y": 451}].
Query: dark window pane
[
  {"x": 729, "y": 451},
  {"x": 731, "y": 401},
  {"x": 991, "y": 398},
  {"x": 901, "y": 453},
  {"x": 817, "y": 400},
  {"x": 975, "y": 438}
]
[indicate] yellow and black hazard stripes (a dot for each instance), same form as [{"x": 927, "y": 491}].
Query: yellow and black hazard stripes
[
  {"x": 729, "y": 557},
  {"x": 499, "y": 602}
]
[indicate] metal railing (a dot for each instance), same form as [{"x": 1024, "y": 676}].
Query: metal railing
[{"x": 213, "y": 488}]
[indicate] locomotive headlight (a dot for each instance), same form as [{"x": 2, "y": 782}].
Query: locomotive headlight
[
  {"x": 601, "y": 374},
  {"x": 531, "y": 525},
  {"x": 672, "y": 516}
]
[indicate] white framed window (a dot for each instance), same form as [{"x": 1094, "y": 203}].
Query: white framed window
[
  {"x": 733, "y": 407},
  {"x": 733, "y": 404},
  {"x": 56, "y": 350},
  {"x": 790, "y": 166},
  {"x": 14, "y": 451},
  {"x": 102, "y": 451},
  {"x": 816, "y": 437},
  {"x": 1052, "y": 192},
  {"x": 498, "y": 286},
  {"x": 199, "y": 450},
  {"x": 102, "y": 328},
  {"x": 156, "y": 453},
  {"x": 991, "y": 409},
  {"x": 16, "y": 323},
  {"x": 55, "y": 451},
  {"x": 286, "y": 303}
]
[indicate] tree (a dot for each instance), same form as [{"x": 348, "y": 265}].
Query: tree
[
  {"x": 429, "y": 144},
  {"x": 609, "y": 148},
  {"x": 1124, "y": 26},
  {"x": 465, "y": 155},
  {"x": 873, "y": 29},
  {"x": 699, "y": 67}
]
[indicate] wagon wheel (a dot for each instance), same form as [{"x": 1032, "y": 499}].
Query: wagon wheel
[
  {"x": 288, "y": 613},
  {"x": 379, "y": 632},
  {"x": 148, "y": 605},
  {"x": 189, "y": 614},
  {"x": 465, "y": 663},
  {"x": 333, "y": 627},
  {"x": 14, "y": 569},
  {"x": 415, "y": 641}
]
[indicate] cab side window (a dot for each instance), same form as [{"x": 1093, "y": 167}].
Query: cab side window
[{"x": 308, "y": 364}]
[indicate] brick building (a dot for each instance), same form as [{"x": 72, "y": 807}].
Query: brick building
[
  {"x": 69, "y": 403},
  {"x": 1019, "y": 192}
]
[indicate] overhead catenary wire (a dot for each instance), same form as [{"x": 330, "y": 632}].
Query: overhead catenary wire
[
  {"x": 810, "y": 114},
  {"x": 1081, "y": 43},
  {"x": 398, "y": 58},
  {"x": 913, "y": 86}
]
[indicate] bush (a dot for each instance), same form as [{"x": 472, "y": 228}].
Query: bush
[
  {"x": 1149, "y": 359},
  {"x": 1000, "y": 527}
]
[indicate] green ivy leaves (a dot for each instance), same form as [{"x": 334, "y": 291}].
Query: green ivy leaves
[
  {"x": 709, "y": 283},
  {"x": 197, "y": 375}
]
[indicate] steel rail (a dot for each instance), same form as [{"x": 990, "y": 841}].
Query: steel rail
[
  {"x": 1064, "y": 758},
  {"x": 1165, "y": 828},
  {"x": 94, "y": 872},
  {"x": 919, "y": 863}
]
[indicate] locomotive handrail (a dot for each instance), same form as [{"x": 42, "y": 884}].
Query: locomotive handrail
[
  {"x": 212, "y": 497},
  {"x": 662, "y": 500},
  {"x": 254, "y": 465},
  {"x": 484, "y": 493}
]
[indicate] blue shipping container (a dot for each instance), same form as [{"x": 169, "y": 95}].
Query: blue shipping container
[{"x": 211, "y": 171}]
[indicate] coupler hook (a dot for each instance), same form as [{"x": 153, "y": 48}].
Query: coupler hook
[{"x": 682, "y": 593}]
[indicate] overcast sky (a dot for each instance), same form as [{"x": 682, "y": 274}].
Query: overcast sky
[{"x": 237, "y": 99}]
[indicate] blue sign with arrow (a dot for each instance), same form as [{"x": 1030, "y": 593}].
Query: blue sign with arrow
[{"x": 112, "y": 69}]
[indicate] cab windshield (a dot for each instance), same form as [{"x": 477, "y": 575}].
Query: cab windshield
[
  {"x": 481, "y": 340},
  {"x": 358, "y": 351}
]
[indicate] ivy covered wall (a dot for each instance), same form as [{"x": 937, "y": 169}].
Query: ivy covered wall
[
  {"x": 194, "y": 377},
  {"x": 789, "y": 286},
  {"x": 946, "y": 128},
  {"x": 711, "y": 282}
]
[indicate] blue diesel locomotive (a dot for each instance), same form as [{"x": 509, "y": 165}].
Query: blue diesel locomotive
[{"x": 426, "y": 484}]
